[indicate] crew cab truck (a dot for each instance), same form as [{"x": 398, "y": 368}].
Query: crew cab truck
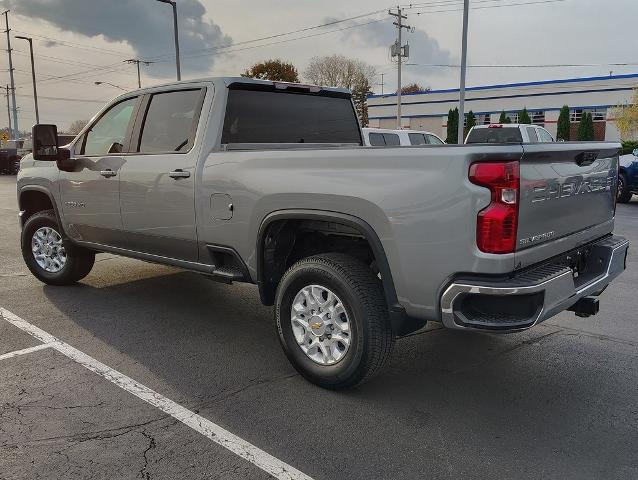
[{"x": 269, "y": 183}]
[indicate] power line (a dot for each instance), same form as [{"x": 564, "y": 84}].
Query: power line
[
  {"x": 424, "y": 10},
  {"x": 553, "y": 65}
]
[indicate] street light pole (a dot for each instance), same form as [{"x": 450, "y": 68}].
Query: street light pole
[
  {"x": 461, "y": 129},
  {"x": 176, "y": 33},
  {"x": 35, "y": 89},
  {"x": 111, "y": 84}
]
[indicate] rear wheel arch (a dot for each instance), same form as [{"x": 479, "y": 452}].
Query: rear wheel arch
[{"x": 275, "y": 222}]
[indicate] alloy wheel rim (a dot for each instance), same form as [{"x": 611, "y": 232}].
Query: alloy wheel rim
[
  {"x": 320, "y": 324},
  {"x": 48, "y": 250}
]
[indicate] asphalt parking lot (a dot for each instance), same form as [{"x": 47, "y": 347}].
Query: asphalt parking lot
[{"x": 558, "y": 401}]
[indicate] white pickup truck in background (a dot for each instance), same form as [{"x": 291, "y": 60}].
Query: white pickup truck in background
[
  {"x": 508, "y": 133},
  {"x": 383, "y": 137}
]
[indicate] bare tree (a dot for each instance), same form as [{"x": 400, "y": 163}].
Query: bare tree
[
  {"x": 341, "y": 71},
  {"x": 77, "y": 126}
]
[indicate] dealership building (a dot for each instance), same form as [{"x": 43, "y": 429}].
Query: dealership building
[{"x": 543, "y": 100}]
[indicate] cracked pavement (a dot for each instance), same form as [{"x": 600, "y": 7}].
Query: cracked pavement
[{"x": 558, "y": 401}]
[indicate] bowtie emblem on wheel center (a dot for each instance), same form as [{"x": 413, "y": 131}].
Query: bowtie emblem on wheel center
[{"x": 317, "y": 326}]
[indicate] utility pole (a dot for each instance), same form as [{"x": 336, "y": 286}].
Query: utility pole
[
  {"x": 35, "y": 90},
  {"x": 176, "y": 34},
  {"x": 400, "y": 51},
  {"x": 382, "y": 82},
  {"x": 137, "y": 62},
  {"x": 461, "y": 133},
  {"x": 8, "y": 110},
  {"x": 16, "y": 132}
]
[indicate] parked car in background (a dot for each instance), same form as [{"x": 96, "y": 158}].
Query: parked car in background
[
  {"x": 10, "y": 155},
  {"x": 382, "y": 137},
  {"x": 628, "y": 177},
  {"x": 508, "y": 133}
]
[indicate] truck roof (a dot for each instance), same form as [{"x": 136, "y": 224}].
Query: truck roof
[{"x": 228, "y": 81}]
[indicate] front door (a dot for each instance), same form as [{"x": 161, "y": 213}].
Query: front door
[
  {"x": 90, "y": 189},
  {"x": 157, "y": 182}
]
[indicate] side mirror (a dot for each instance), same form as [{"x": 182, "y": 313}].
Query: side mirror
[{"x": 45, "y": 144}]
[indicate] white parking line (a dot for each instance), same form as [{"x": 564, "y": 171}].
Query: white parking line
[
  {"x": 24, "y": 351},
  {"x": 214, "y": 432}
]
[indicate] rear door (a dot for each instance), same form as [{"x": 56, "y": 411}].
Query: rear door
[
  {"x": 566, "y": 189},
  {"x": 157, "y": 180},
  {"x": 90, "y": 189}
]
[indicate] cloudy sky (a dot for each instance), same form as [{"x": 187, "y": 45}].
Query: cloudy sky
[{"x": 78, "y": 42}]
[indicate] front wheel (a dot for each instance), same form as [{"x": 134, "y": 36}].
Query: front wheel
[
  {"x": 49, "y": 257},
  {"x": 624, "y": 195},
  {"x": 332, "y": 320}
]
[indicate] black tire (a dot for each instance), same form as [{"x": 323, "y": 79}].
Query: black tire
[
  {"x": 361, "y": 293},
  {"x": 79, "y": 261},
  {"x": 624, "y": 195}
]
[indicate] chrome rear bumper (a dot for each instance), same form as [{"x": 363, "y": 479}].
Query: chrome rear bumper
[{"x": 535, "y": 294}]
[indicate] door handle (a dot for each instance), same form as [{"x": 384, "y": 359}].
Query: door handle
[
  {"x": 108, "y": 173},
  {"x": 179, "y": 173}
]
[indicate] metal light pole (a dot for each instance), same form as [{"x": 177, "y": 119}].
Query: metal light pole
[
  {"x": 461, "y": 136},
  {"x": 35, "y": 90},
  {"x": 176, "y": 32},
  {"x": 111, "y": 84},
  {"x": 16, "y": 132}
]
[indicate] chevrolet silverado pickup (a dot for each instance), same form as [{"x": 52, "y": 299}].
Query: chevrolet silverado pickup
[{"x": 243, "y": 180}]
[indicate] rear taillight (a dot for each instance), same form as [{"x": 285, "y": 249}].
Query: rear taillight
[{"x": 496, "y": 224}]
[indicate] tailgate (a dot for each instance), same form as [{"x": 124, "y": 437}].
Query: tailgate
[{"x": 566, "y": 188}]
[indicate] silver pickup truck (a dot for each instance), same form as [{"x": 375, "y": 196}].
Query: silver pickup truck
[{"x": 268, "y": 183}]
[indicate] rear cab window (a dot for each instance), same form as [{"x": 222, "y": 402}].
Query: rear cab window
[
  {"x": 267, "y": 116},
  {"x": 170, "y": 122},
  {"x": 499, "y": 134},
  {"x": 531, "y": 133}
]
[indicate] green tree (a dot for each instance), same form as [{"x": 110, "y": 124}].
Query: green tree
[
  {"x": 564, "y": 125},
  {"x": 274, "y": 70},
  {"x": 504, "y": 118},
  {"x": 524, "y": 118},
  {"x": 585, "y": 128},
  {"x": 452, "y": 126},
  {"x": 470, "y": 121}
]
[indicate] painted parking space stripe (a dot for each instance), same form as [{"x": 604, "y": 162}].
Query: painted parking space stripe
[
  {"x": 24, "y": 351},
  {"x": 263, "y": 460}
]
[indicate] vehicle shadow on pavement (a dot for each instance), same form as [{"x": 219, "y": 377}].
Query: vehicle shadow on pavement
[{"x": 216, "y": 345}]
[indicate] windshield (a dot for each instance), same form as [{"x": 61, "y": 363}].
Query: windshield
[{"x": 495, "y": 135}]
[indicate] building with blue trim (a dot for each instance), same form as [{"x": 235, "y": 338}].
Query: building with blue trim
[{"x": 543, "y": 100}]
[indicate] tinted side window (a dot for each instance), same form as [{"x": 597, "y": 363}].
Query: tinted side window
[
  {"x": 258, "y": 116},
  {"x": 391, "y": 139},
  {"x": 531, "y": 132},
  {"x": 170, "y": 122},
  {"x": 434, "y": 140},
  {"x": 108, "y": 134},
  {"x": 376, "y": 140},
  {"x": 545, "y": 136},
  {"x": 417, "y": 139}
]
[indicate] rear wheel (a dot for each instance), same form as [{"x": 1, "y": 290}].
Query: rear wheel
[
  {"x": 624, "y": 195},
  {"x": 332, "y": 320},
  {"x": 49, "y": 257}
]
